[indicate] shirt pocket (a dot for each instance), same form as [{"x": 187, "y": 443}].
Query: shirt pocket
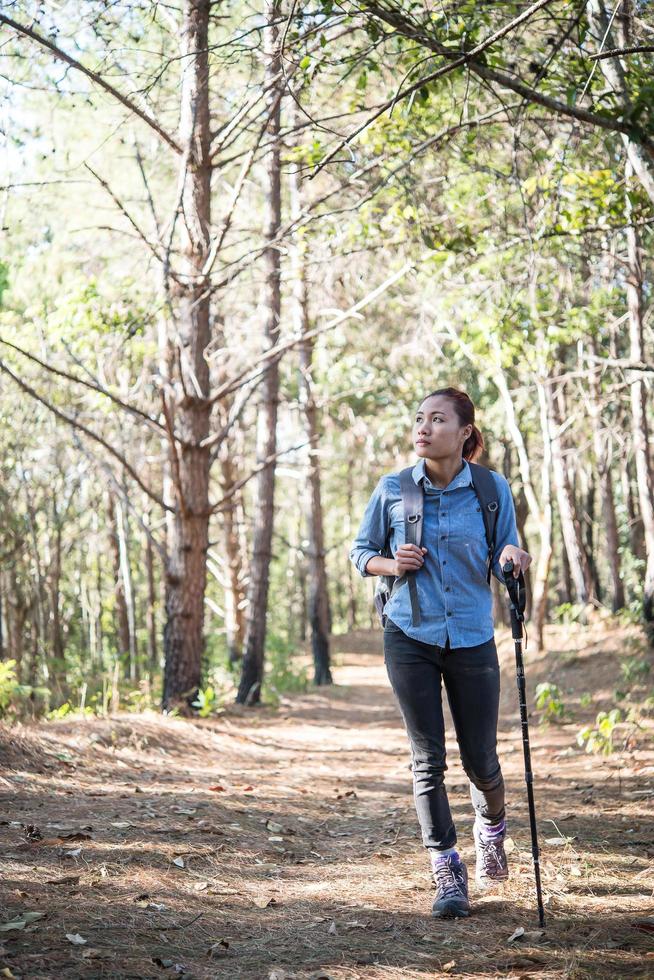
[{"x": 469, "y": 535}]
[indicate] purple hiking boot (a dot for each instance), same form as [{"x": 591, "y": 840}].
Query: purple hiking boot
[
  {"x": 492, "y": 865},
  {"x": 450, "y": 876}
]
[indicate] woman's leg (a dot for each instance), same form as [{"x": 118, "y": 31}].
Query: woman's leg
[
  {"x": 472, "y": 681},
  {"x": 415, "y": 675}
]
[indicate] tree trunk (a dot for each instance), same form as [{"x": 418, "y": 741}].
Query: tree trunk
[
  {"x": 121, "y": 616},
  {"x": 189, "y": 410},
  {"x": 639, "y": 426},
  {"x": 318, "y": 591},
  {"x": 581, "y": 578},
  {"x": 602, "y": 445},
  {"x": 151, "y": 608},
  {"x": 235, "y": 596},
  {"x": 249, "y": 691},
  {"x": 613, "y": 33}
]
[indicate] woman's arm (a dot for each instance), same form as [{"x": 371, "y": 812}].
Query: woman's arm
[
  {"x": 506, "y": 536},
  {"x": 372, "y": 534}
]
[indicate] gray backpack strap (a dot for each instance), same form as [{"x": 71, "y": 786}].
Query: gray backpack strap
[
  {"x": 412, "y": 499},
  {"x": 485, "y": 487}
]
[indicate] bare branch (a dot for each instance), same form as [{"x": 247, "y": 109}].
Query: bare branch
[
  {"x": 87, "y": 432},
  {"x": 98, "y": 79},
  {"x": 86, "y": 384}
]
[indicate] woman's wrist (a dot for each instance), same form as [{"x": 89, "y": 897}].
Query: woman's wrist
[{"x": 381, "y": 566}]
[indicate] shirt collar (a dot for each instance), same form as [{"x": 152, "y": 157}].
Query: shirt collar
[{"x": 462, "y": 479}]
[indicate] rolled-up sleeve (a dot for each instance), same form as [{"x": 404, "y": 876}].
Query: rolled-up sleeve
[
  {"x": 371, "y": 538},
  {"x": 507, "y": 531}
]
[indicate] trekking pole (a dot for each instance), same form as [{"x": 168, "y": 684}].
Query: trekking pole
[{"x": 517, "y": 596}]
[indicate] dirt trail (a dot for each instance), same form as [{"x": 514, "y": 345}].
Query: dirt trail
[{"x": 283, "y": 844}]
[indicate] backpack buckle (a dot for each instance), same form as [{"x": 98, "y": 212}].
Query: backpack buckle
[
  {"x": 492, "y": 506},
  {"x": 413, "y": 518}
]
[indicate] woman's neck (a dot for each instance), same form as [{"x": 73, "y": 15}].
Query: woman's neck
[{"x": 441, "y": 472}]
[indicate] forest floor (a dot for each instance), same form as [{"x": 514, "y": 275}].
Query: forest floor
[{"x": 281, "y": 843}]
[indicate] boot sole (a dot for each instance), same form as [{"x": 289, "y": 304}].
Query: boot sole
[{"x": 450, "y": 912}]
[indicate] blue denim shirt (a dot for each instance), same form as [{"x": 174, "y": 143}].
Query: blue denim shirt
[{"x": 455, "y": 598}]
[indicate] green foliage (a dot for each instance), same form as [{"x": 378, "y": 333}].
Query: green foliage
[
  {"x": 634, "y": 670},
  {"x": 568, "y": 612},
  {"x": 600, "y": 737},
  {"x": 14, "y": 695},
  {"x": 585, "y": 700},
  {"x": 206, "y": 702},
  {"x": 549, "y": 701},
  {"x": 283, "y": 673}
]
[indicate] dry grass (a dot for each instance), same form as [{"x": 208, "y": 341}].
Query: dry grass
[{"x": 306, "y": 861}]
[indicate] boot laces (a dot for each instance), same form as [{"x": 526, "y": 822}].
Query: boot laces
[
  {"x": 492, "y": 855},
  {"x": 449, "y": 879}
]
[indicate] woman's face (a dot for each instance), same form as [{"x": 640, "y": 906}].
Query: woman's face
[{"x": 437, "y": 432}]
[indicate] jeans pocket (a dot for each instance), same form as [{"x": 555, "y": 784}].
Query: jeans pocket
[{"x": 391, "y": 627}]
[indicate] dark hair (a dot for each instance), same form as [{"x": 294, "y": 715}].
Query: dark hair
[{"x": 465, "y": 410}]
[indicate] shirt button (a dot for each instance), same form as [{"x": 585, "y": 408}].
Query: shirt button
[
  {"x": 443, "y": 537},
  {"x": 447, "y": 588},
  {"x": 444, "y": 562},
  {"x": 449, "y": 614},
  {"x": 443, "y": 513}
]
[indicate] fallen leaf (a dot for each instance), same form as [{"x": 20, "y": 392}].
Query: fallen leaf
[
  {"x": 332, "y": 929},
  {"x": 275, "y": 828},
  {"x": 217, "y": 789},
  {"x": 66, "y": 880},
  {"x": 262, "y": 902},
  {"x": 20, "y": 921},
  {"x": 516, "y": 935},
  {"x": 72, "y": 854},
  {"x": 449, "y": 966},
  {"x": 75, "y": 938},
  {"x": 179, "y": 862},
  {"x": 558, "y": 841},
  {"x": 121, "y": 824}
]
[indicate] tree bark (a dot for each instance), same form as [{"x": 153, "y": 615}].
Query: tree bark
[
  {"x": 189, "y": 408},
  {"x": 249, "y": 691},
  {"x": 235, "y": 595},
  {"x": 612, "y": 33},
  {"x": 639, "y": 425},
  {"x": 602, "y": 445},
  {"x": 121, "y": 617},
  {"x": 581, "y": 578},
  {"x": 318, "y": 589}
]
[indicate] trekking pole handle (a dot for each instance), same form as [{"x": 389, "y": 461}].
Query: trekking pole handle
[{"x": 516, "y": 589}]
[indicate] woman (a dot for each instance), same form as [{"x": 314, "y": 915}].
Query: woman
[{"x": 454, "y": 639}]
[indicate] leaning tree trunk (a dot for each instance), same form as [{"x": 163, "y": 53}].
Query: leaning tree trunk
[
  {"x": 611, "y": 33},
  {"x": 570, "y": 527},
  {"x": 188, "y": 407},
  {"x": 639, "y": 426},
  {"x": 602, "y": 445},
  {"x": 249, "y": 691},
  {"x": 318, "y": 592}
]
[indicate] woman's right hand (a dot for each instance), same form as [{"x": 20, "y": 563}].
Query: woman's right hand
[{"x": 409, "y": 558}]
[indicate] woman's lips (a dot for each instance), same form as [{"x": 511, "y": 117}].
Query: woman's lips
[{"x": 422, "y": 442}]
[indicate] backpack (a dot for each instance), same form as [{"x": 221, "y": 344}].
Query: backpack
[{"x": 413, "y": 500}]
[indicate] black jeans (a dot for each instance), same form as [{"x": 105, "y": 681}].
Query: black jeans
[{"x": 472, "y": 682}]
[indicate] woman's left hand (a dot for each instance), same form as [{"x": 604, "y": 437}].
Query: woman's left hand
[{"x": 521, "y": 559}]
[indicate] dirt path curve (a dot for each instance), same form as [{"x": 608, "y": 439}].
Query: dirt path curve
[{"x": 282, "y": 844}]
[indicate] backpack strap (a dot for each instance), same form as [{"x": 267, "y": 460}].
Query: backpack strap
[
  {"x": 412, "y": 500},
  {"x": 485, "y": 487}
]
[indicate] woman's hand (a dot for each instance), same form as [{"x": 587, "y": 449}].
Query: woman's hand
[
  {"x": 409, "y": 558},
  {"x": 521, "y": 559}
]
